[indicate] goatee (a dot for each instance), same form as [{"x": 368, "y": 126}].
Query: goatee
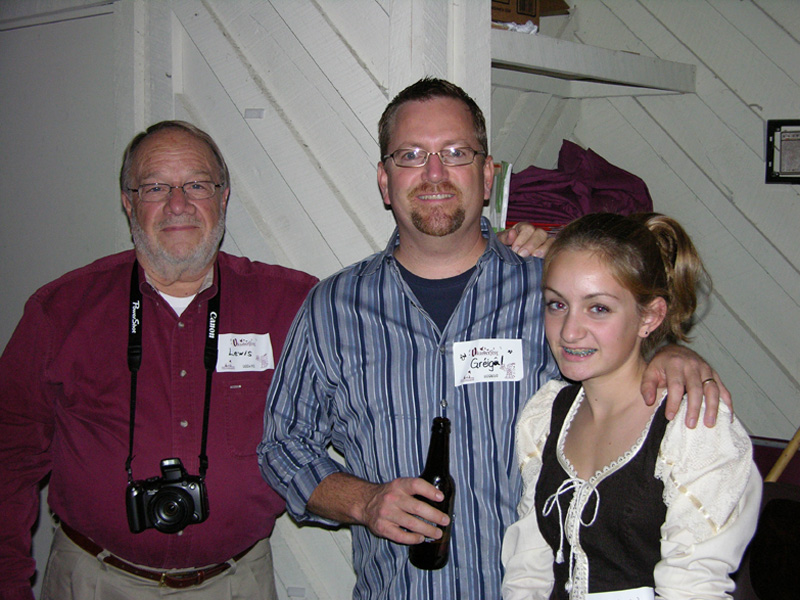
[{"x": 437, "y": 219}]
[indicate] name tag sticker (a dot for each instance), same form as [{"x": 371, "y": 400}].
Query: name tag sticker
[
  {"x": 239, "y": 352},
  {"x": 644, "y": 593},
  {"x": 487, "y": 360}
]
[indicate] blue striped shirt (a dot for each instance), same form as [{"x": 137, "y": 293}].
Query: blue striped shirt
[{"x": 366, "y": 369}]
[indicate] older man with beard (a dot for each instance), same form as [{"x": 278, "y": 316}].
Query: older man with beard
[
  {"x": 445, "y": 321},
  {"x": 138, "y": 384}
]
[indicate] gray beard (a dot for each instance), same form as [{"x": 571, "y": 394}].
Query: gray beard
[{"x": 168, "y": 266}]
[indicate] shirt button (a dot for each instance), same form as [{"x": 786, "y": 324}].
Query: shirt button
[
  {"x": 183, "y": 372},
  {"x": 180, "y": 325},
  {"x": 184, "y": 423},
  {"x": 442, "y": 350},
  {"x": 443, "y": 403}
]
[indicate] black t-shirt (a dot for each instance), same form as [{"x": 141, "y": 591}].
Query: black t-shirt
[{"x": 439, "y": 297}]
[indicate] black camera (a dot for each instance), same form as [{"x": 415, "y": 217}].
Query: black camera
[{"x": 168, "y": 503}]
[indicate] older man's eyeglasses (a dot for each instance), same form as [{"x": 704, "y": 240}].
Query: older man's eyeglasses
[
  {"x": 193, "y": 190},
  {"x": 417, "y": 157}
]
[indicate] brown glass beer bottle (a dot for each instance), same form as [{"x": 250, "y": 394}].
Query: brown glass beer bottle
[{"x": 433, "y": 554}]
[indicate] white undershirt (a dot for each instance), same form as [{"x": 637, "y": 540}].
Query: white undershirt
[{"x": 178, "y": 304}]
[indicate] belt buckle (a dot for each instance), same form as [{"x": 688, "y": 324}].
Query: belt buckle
[{"x": 163, "y": 581}]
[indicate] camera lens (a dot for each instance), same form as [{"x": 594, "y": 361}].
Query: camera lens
[
  {"x": 168, "y": 510},
  {"x": 171, "y": 510}
]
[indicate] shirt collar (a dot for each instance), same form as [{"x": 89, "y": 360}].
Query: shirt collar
[{"x": 503, "y": 252}]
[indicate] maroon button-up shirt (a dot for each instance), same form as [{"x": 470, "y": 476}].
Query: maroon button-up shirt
[{"x": 65, "y": 403}]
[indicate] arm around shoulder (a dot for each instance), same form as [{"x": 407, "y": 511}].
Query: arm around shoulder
[{"x": 689, "y": 380}]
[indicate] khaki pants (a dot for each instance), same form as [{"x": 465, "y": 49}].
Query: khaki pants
[{"x": 74, "y": 574}]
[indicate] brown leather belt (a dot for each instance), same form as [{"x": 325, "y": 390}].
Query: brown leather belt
[{"x": 179, "y": 579}]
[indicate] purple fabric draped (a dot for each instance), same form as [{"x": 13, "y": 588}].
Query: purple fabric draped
[{"x": 583, "y": 183}]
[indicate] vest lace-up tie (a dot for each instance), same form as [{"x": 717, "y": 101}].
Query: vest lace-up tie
[{"x": 582, "y": 492}]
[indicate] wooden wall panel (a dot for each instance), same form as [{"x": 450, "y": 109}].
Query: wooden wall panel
[{"x": 307, "y": 155}]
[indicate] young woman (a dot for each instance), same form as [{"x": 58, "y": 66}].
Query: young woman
[{"x": 619, "y": 503}]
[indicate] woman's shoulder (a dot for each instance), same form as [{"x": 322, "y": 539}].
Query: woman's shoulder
[
  {"x": 710, "y": 465},
  {"x": 542, "y": 401},
  {"x": 533, "y": 425},
  {"x": 727, "y": 437}
]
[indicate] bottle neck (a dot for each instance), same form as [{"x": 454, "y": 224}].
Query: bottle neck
[{"x": 439, "y": 447}]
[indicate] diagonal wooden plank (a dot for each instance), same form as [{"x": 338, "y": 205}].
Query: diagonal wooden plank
[
  {"x": 320, "y": 186},
  {"x": 713, "y": 39}
]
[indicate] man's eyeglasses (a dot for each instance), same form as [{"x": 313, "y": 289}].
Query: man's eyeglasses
[
  {"x": 417, "y": 157},
  {"x": 193, "y": 190}
]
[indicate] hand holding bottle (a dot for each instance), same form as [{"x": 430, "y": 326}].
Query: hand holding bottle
[
  {"x": 398, "y": 511},
  {"x": 391, "y": 510}
]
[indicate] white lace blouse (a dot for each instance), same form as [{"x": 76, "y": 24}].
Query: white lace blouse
[{"x": 712, "y": 491}]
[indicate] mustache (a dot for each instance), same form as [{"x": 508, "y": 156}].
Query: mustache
[
  {"x": 178, "y": 221},
  {"x": 444, "y": 187}
]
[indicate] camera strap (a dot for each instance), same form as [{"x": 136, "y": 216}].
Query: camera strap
[{"x": 135, "y": 361}]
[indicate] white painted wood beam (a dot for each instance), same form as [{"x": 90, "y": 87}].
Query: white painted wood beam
[
  {"x": 441, "y": 39},
  {"x": 470, "y": 52},
  {"x": 564, "y": 88},
  {"x": 562, "y": 58},
  {"x": 417, "y": 42}
]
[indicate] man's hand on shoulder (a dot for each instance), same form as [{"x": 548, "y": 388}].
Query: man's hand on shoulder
[
  {"x": 682, "y": 370},
  {"x": 526, "y": 240}
]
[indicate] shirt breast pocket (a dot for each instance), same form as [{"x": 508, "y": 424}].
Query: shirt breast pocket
[{"x": 244, "y": 400}]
